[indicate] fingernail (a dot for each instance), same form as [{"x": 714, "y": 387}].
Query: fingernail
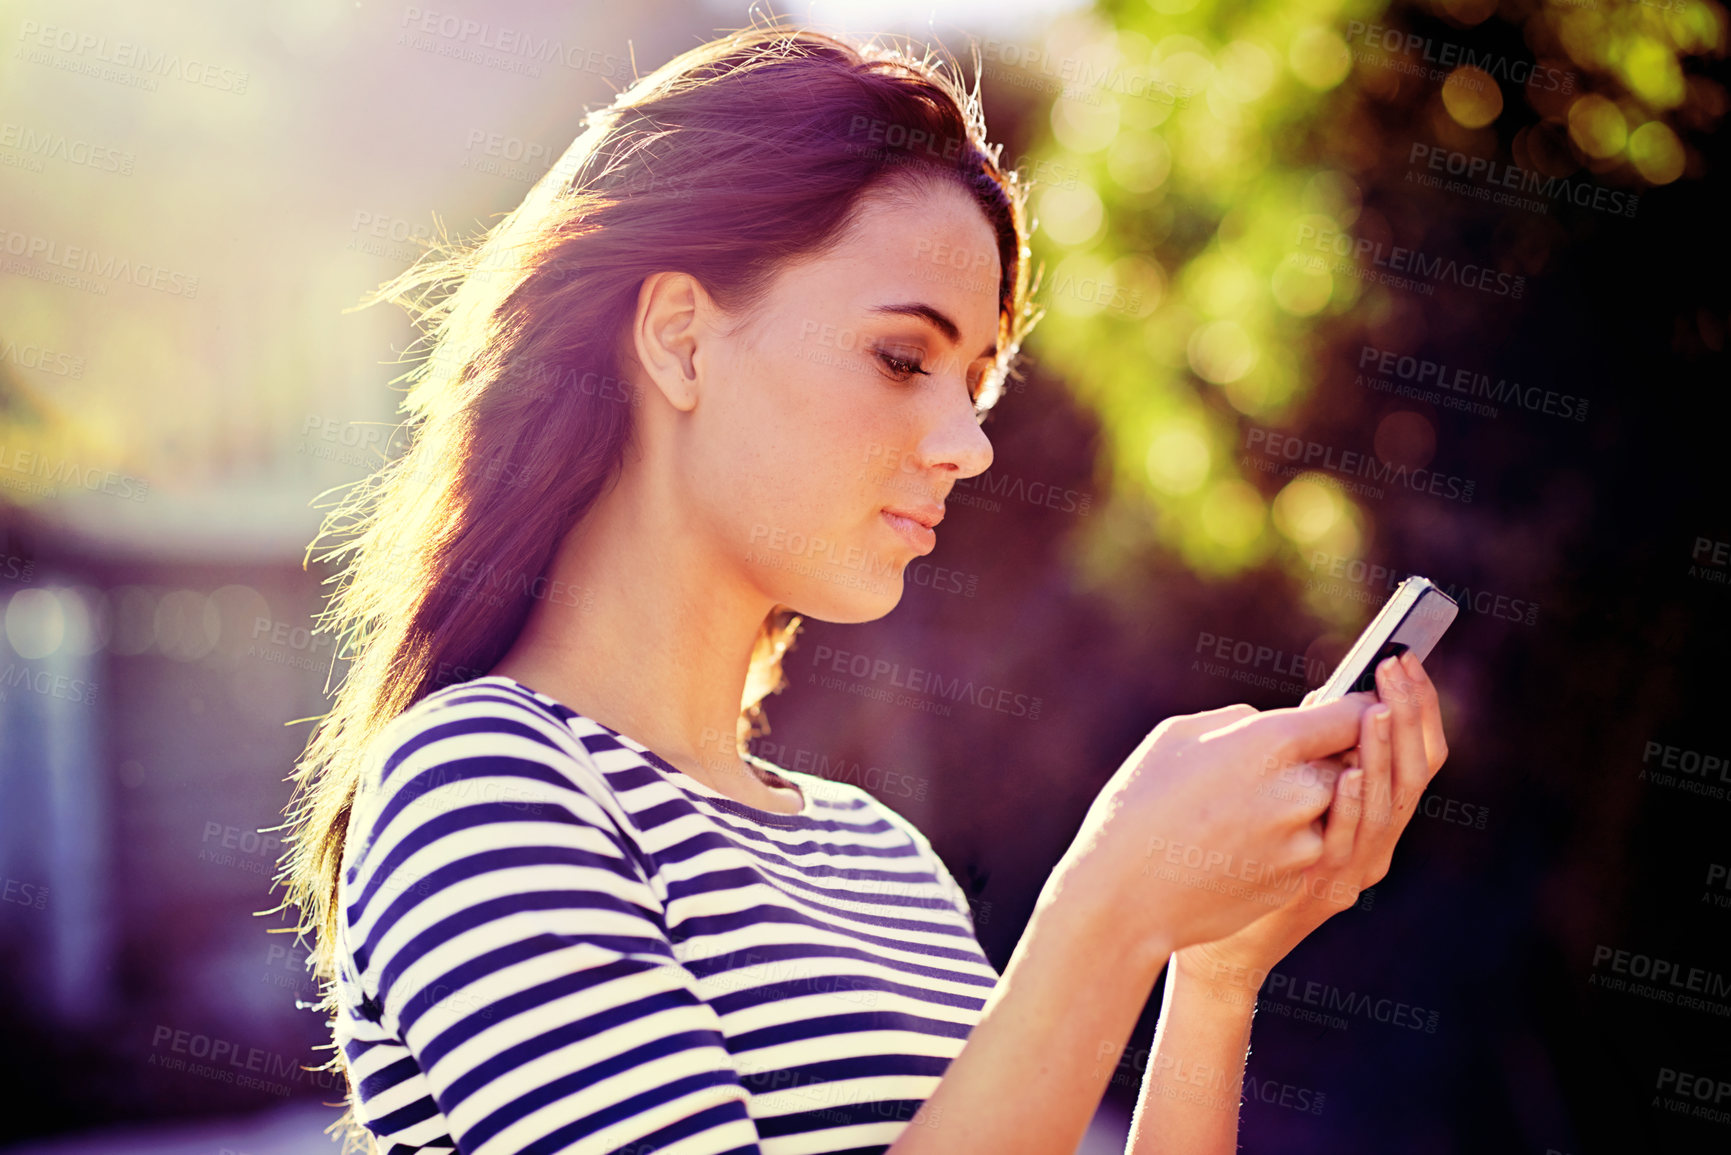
[
  {"x": 1409, "y": 661},
  {"x": 1354, "y": 784},
  {"x": 1380, "y": 720}
]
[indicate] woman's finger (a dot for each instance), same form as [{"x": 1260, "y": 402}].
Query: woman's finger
[
  {"x": 1411, "y": 767},
  {"x": 1194, "y": 725},
  {"x": 1374, "y": 753},
  {"x": 1344, "y": 818},
  {"x": 1435, "y": 744}
]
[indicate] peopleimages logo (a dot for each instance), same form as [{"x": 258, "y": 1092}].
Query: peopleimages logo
[
  {"x": 1253, "y": 664},
  {"x": 70, "y": 474},
  {"x": 1451, "y": 387},
  {"x": 918, "y": 683},
  {"x": 1080, "y": 78},
  {"x": 30, "y": 355},
  {"x": 1450, "y": 56},
  {"x": 1311, "y": 1001},
  {"x": 1698, "y": 1096},
  {"x": 80, "y": 259},
  {"x": 87, "y": 53},
  {"x": 1379, "y": 581},
  {"x": 1660, "y": 980},
  {"x": 1400, "y": 260},
  {"x": 46, "y": 144},
  {"x": 1304, "y": 454},
  {"x": 1508, "y": 176},
  {"x": 226, "y": 1061},
  {"x": 517, "y": 50},
  {"x": 1692, "y": 771},
  {"x": 1712, "y": 560}
]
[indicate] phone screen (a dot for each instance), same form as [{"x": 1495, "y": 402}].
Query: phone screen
[
  {"x": 1367, "y": 680},
  {"x": 1413, "y": 618}
]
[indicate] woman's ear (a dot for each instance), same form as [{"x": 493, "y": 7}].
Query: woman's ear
[{"x": 664, "y": 334}]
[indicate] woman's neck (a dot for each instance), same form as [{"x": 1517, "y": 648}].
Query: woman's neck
[{"x": 642, "y": 627}]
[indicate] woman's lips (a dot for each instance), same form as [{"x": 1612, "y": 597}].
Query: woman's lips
[{"x": 923, "y": 539}]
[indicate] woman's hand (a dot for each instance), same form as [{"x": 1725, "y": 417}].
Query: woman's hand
[
  {"x": 1191, "y": 837},
  {"x": 1400, "y": 748}
]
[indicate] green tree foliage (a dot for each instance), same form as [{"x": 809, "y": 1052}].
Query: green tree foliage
[{"x": 1196, "y": 149}]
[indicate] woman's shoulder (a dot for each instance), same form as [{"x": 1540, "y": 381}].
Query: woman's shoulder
[
  {"x": 482, "y": 706},
  {"x": 479, "y": 740},
  {"x": 494, "y": 693}
]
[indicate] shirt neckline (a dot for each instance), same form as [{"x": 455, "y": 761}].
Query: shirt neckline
[{"x": 682, "y": 779}]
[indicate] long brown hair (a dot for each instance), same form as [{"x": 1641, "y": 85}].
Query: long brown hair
[{"x": 726, "y": 162}]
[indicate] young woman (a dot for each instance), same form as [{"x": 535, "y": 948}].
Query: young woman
[{"x": 722, "y": 367}]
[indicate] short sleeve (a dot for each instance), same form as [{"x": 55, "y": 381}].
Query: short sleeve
[{"x": 502, "y": 923}]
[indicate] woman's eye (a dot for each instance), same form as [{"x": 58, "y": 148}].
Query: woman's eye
[{"x": 901, "y": 367}]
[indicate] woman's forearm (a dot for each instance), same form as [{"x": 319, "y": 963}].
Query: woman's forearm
[
  {"x": 1036, "y": 1064},
  {"x": 1195, "y": 1076},
  {"x": 1034, "y": 1068}
]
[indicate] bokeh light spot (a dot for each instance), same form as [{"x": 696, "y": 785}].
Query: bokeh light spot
[
  {"x": 1306, "y": 509},
  {"x": 1253, "y": 395},
  {"x": 1246, "y": 70},
  {"x": 87, "y": 619},
  {"x": 1178, "y": 459},
  {"x": 1219, "y": 284},
  {"x": 1469, "y": 12},
  {"x": 187, "y": 625},
  {"x": 35, "y": 623},
  {"x": 1299, "y": 286},
  {"x": 1656, "y": 151},
  {"x": 1143, "y": 282},
  {"x": 1597, "y": 127},
  {"x": 1221, "y": 352},
  {"x": 1333, "y": 195},
  {"x": 1139, "y": 161},
  {"x": 1188, "y": 69},
  {"x": 1472, "y": 97},
  {"x": 1652, "y": 71},
  {"x": 1082, "y": 126},
  {"x": 1319, "y": 58},
  {"x": 1233, "y": 513},
  {"x": 1071, "y": 216},
  {"x": 1081, "y": 285}
]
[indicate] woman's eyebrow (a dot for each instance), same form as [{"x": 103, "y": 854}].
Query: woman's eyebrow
[{"x": 938, "y": 319}]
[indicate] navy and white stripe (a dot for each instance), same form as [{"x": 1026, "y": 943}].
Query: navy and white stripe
[{"x": 554, "y": 941}]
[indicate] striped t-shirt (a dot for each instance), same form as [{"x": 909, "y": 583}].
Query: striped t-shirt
[{"x": 554, "y": 941}]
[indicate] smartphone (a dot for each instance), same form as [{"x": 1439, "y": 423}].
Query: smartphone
[{"x": 1413, "y": 618}]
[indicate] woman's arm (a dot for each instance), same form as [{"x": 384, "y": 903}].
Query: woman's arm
[
  {"x": 1036, "y": 1064},
  {"x": 1195, "y": 1077},
  {"x": 502, "y": 931},
  {"x": 1031, "y": 1076}
]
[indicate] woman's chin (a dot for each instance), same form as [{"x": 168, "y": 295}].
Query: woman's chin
[{"x": 865, "y": 600}]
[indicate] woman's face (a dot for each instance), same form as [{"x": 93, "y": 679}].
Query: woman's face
[{"x": 846, "y": 395}]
